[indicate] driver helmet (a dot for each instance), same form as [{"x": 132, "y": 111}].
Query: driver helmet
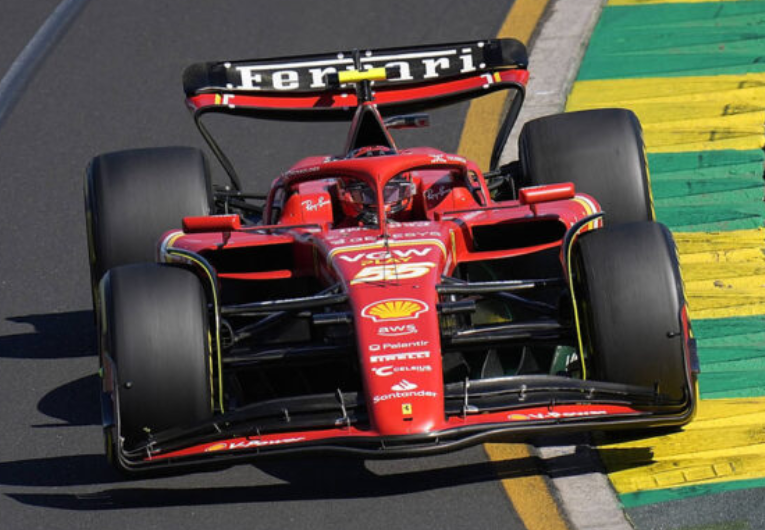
[{"x": 359, "y": 200}]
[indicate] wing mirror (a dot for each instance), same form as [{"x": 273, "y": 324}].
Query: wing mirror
[
  {"x": 408, "y": 121},
  {"x": 211, "y": 223},
  {"x": 549, "y": 192}
]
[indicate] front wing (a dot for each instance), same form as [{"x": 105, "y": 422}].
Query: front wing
[{"x": 326, "y": 424}]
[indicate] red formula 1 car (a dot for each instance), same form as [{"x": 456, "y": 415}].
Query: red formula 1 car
[{"x": 384, "y": 301}]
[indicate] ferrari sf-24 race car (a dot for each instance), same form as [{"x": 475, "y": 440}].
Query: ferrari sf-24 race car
[{"x": 384, "y": 301}]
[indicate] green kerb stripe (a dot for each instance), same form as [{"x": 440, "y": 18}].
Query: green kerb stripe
[
  {"x": 641, "y": 498},
  {"x": 709, "y": 190},
  {"x": 732, "y": 357},
  {"x": 677, "y": 40}
]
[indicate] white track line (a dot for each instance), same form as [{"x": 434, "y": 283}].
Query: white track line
[{"x": 27, "y": 63}]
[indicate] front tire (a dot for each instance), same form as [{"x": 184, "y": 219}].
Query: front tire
[
  {"x": 629, "y": 290},
  {"x": 156, "y": 336}
]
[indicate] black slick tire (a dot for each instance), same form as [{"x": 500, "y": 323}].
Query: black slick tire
[
  {"x": 630, "y": 296},
  {"x": 601, "y": 151},
  {"x": 132, "y": 197},
  {"x": 156, "y": 335}
]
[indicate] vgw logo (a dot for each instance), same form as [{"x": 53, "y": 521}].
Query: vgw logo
[{"x": 382, "y": 257}]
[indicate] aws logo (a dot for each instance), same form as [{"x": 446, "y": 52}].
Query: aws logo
[{"x": 397, "y": 330}]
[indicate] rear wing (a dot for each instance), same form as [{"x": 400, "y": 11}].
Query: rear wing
[{"x": 300, "y": 88}]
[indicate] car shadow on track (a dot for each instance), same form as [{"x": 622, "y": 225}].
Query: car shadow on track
[
  {"x": 301, "y": 479},
  {"x": 55, "y": 336},
  {"x": 309, "y": 479},
  {"x": 58, "y": 472},
  {"x": 74, "y": 404}
]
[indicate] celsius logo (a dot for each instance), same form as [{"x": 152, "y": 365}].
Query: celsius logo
[
  {"x": 403, "y": 386},
  {"x": 385, "y": 371},
  {"x": 394, "y": 309}
]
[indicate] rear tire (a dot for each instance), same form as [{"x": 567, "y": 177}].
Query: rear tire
[
  {"x": 133, "y": 197},
  {"x": 629, "y": 293},
  {"x": 156, "y": 333},
  {"x": 601, "y": 151}
]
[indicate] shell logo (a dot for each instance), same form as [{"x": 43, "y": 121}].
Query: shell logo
[
  {"x": 517, "y": 417},
  {"x": 217, "y": 447},
  {"x": 394, "y": 309}
]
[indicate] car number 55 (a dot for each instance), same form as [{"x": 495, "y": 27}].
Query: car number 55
[{"x": 391, "y": 272}]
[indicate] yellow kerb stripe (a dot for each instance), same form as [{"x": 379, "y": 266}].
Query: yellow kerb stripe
[
  {"x": 698, "y": 114},
  {"x": 528, "y": 492},
  {"x": 484, "y": 115},
  {"x": 724, "y": 272},
  {"x": 699, "y": 454}
]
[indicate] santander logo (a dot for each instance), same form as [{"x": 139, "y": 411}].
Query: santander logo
[{"x": 403, "y": 386}]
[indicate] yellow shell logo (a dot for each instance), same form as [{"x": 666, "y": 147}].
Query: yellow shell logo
[
  {"x": 216, "y": 447},
  {"x": 398, "y": 309},
  {"x": 517, "y": 417}
]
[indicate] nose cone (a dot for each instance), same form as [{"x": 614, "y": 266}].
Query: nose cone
[
  {"x": 392, "y": 292},
  {"x": 400, "y": 356}
]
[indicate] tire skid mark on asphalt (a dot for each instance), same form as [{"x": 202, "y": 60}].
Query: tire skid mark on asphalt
[{"x": 704, "y": 136}]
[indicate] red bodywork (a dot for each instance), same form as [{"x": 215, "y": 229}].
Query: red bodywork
[{"x": 390, "y": 277}]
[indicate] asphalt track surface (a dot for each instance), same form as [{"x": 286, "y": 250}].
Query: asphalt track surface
[{"x": 113, "y": 82}]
